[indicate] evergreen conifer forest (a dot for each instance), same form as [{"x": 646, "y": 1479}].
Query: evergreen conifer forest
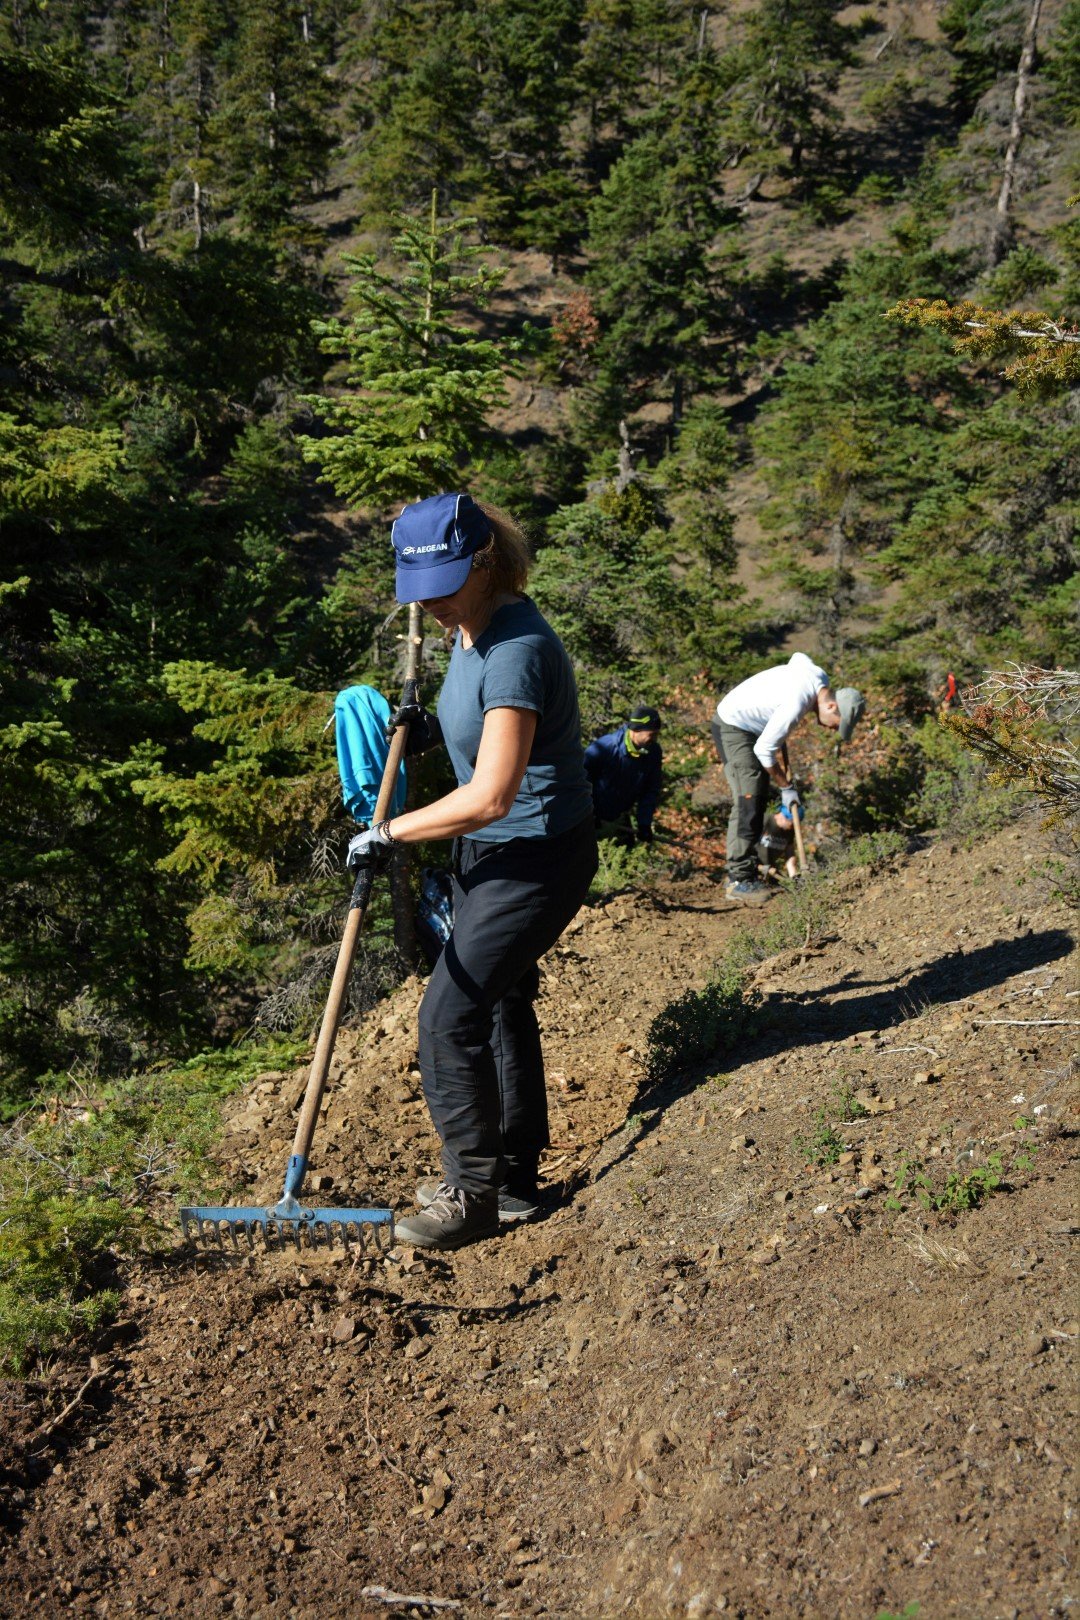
[{"x": 625, "y": 267}]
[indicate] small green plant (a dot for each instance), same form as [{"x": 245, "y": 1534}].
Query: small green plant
[
  {"x": 877, "y": 189},
  {"x": 968, "y": 1191},
  {"x": 824, "y": 1145},
  {"x": 847, "y": 1104},
  {"x": 910, "y": 1613},
  {"x": 911, "y": 1182},
  {"x": 623, "y": 866},
  {"x": 85, "y": 1181},
  {"x": 962, "y": 1190},
  {"x": 883, "y": 101}
]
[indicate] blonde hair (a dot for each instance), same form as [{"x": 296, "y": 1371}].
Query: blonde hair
[{"x": 506, "y": 559}]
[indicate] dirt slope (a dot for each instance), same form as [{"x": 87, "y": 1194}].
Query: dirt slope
[{"x": 714, "y": 1381}]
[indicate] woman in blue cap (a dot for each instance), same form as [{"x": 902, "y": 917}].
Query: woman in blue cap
[{"x": 524, "y": 855}]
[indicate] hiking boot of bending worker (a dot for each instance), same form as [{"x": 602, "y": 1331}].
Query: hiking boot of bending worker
[
  {"x": 453, "y": 1217},
  {"x": 521, "y": 1204},
  {"x": 748, "y": 891}
]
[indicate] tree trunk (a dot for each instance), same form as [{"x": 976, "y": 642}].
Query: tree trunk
[
  {"x": 402, "y": 900},
  {"x": 403, "y": 905},
  {"x": 1001, "y": 234}
]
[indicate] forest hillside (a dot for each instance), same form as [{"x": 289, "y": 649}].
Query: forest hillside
[
  {"x": 655, "y": 246},
  {"x": 764, "y": 320}
]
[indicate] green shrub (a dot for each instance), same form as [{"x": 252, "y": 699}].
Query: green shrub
[
  {"x": 877, "y": 189},
  {"x": 55, "y": 1249},
  {"x": 827, "y": 203},
  {"x": 887, "y": 99},
  {"x": 700, "y": 1023},
  {"x": 624, "y": 866},
  {"x": 84, "y": 1182},
  {"x": 960, "y": 1190},
  {"x": 824, "y": 1145}
]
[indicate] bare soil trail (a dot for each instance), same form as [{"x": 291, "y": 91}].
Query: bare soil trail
[{"x": 717, "y": 1379}]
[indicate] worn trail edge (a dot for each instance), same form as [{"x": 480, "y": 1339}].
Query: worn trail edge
[{"x": 718, "y": 1379}]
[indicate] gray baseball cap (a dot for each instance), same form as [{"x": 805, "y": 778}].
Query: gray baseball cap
[{"x": 852, "y": 705}]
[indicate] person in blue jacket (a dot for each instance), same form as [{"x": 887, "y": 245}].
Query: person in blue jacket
[{"x": 625, "y": 768}]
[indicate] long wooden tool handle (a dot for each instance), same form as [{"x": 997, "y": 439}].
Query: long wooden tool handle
[
  {"x": 335, "y": 1002},
  {"x": 799, "y": 845},
  {"x": 795, "y": 822}
]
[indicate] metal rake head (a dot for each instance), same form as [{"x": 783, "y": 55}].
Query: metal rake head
[{"x": 224, "y": 1230}]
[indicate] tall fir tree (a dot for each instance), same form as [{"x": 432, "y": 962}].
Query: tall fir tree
[
  {"x": 273, "y": 129},
  {"x": 662, "y": 245},
  {"x": 780, "y": 109},
  {"x": 419, "y": 383}
]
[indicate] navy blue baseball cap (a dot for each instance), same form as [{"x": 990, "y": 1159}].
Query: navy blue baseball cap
[{"x": 435, "y": 541}]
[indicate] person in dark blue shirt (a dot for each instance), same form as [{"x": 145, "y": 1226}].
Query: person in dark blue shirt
[{"x": 625, "y": 768}]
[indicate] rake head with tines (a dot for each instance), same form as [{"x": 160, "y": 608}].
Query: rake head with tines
[
  {"x": 289, "y": 1221},
  {"x": 236, "y": 1229}
]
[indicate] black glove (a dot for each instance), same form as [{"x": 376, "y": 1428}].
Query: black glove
[{"x": 424, "y": 729}]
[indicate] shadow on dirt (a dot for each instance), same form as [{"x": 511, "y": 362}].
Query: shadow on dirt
[
  {"x": 810, "y": 1018},
  {"x": 950, "y": 978}
]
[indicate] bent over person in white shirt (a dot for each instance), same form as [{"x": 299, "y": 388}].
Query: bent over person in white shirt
[{"x": 750, "y": 729}]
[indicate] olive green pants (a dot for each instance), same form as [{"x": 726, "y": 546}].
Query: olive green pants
[{"x": 750, "y": 788}]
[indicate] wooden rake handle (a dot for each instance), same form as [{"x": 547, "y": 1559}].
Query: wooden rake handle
[
  {"x": 358, "y": 904},
  {"x": 799, "y": 845}
]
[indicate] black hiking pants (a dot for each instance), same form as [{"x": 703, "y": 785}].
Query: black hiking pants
[
  {"x": 750, "y": 788},
  {"x": 480, "y": 1058}
]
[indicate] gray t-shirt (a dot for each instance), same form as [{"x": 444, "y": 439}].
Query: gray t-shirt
[{"x": 520, "y": 663}]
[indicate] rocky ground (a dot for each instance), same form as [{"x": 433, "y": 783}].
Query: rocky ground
[{"x": 719, "y": 1378}]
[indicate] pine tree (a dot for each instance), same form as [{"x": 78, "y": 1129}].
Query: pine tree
[
  {"x": 124, "y": 371},
  {"x": 529, "y": 50},
  {"x": 985, "y": 37},
  {"x": 418, "y": 383},
  {"x": 785, "y": 70},
  {"x": 177, "y": 60},
  {"x": 850, "y": 440},
  {"x": 273, "y": 123},
  {"x": 661, "y": 245},
  {"x": 421, "y": 107}
]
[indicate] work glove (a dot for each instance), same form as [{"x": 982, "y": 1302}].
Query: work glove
[
  {"x": 424, "y": 729},
  {"x": 789, "y": 798},
  {"x": 370, "y": 848}
]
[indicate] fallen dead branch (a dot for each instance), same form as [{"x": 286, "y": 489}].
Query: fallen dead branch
[
  {"x": 61, "y": 1417},
  {"x": 1030, "y": 1023},
  {"x": 383, "y": 1594},
  {"x": 892, "y": 1487}
]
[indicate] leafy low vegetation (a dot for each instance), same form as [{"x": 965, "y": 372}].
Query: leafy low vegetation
[{"x": 88, "y": 1178}]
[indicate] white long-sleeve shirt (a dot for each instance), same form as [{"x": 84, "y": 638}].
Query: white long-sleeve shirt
[{"x": 768, "y": 705}]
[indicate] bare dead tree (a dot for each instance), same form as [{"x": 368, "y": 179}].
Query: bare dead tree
[{"x": 1001, "y": 233}]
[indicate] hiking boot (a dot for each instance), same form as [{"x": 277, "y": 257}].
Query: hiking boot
[
  {"x": 747, "y": 890},
  {"x": 451, "y": 1217},
  {"x": 520, "y": 1206}
]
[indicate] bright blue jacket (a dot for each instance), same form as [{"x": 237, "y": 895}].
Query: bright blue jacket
[{"x": 621, "y": 780}]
